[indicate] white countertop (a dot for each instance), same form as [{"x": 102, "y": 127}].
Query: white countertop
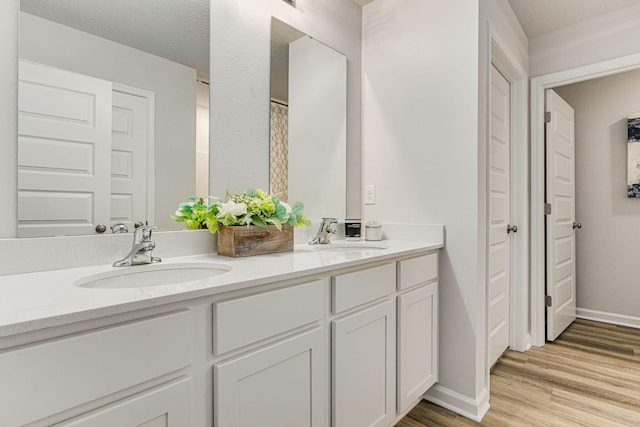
[{"x": 33, "y": 301}]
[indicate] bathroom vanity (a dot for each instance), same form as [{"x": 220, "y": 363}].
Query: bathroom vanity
[{"x": 331, "y": 336}]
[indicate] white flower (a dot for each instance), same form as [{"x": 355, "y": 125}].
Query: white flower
[
  {"x": 232, "y": 208},
  {"x": 286, "y": 206},
  {"x": 178, "y": 213}
]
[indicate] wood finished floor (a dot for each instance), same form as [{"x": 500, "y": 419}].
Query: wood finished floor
[{"x": 590, "y": 376}]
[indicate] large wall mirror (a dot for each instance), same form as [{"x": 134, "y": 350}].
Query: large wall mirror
[
  {"x": 308, "y": 141},
  {"x": 113, "y": 113}
]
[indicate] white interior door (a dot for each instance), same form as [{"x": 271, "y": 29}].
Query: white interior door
[
  {"x": 560, "y": 195},
  {"x": 129, "y": 175},
  {"x": 499, "y": 216},
  {"x": 64, "y": 156}
]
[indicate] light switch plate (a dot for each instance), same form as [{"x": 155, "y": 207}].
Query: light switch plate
[{"x": 369, "y": 194}]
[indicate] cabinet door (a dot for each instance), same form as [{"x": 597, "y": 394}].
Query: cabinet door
[
  {"x": 364, "y": 367},
  {"x": 417, "y": 343},
  {"x": 166, "y": 406},
  {"x": 279, "y": 386}
]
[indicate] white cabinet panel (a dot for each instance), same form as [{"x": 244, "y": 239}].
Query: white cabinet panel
[
  {"x": 247, "y": 320},
  {"x": 279, "y": 386},
  {"x": 364, "y": 366},
  {"x": 360, "y": 287},
  {"x": 64, "y": 373},
  {"x": 418, "y": 270},
  {"x": 417, "y": 344},
  {"x": 166, "y": 406}
]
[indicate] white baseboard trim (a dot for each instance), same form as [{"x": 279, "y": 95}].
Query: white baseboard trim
[
  {"x": 613, "y": 318},
  {"x": 474, "y": 409}
]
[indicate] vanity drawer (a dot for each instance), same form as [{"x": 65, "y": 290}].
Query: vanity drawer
[
  {"x": 43, "y": 379},
  {"x": 414, "y": 271},
  {"x": 242, "y": 321},
  {"x": 360, "y": 287}
]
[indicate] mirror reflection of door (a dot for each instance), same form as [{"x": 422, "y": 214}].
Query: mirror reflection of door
[
  {"x": 161, "y": 48},
  {"x": 82, "y": 147},
  {"x": 64, "y": 152}
]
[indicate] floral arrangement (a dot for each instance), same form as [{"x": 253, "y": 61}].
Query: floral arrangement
[{"x": 253, "y": 207}]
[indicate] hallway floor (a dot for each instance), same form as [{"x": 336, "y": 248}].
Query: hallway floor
[{"x": 590, "y": 376}]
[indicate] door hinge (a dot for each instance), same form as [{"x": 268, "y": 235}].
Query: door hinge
[
  {"x": 547, "y": 208},
  {"x": 547, "y": 117},
  {"x": 548, "y": 301}
]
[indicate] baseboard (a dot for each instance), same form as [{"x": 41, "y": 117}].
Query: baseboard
[
  {"x": 474, "y": 409},
  {"x": 604, "y": 317}
]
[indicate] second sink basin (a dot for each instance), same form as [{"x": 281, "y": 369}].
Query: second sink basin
[{"x": 153, "y": 275}]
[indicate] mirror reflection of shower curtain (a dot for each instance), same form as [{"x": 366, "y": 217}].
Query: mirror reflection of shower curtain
[{"x": 279, "y": 150}]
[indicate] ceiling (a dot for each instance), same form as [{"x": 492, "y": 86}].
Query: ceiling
[
  {"x": 174, "y": 29},
  {"x": 179, "y": 29},
  {"x": 541, "y": 16}
]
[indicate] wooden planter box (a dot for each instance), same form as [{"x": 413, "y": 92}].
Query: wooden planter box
[{"x": 240, "y": 240}]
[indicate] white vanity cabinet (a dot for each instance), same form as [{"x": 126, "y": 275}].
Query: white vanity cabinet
[
  {"x": 104, "y": 374},
  {"x": 385, "y": 346},
  {"x": 279, "y": 378},
  {"x": 363, "y": 347},
  {"x": 335, "y": 347},
  {"x": 417, "y": 328},
  {"x": 364, "y": 367}
]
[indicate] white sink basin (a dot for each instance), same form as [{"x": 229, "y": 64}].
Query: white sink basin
[
  {"x": 153, "y": 275},
  {"x": 349, "y": 246}
]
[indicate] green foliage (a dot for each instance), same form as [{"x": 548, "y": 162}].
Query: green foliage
[{"x": 253, "y": 207}]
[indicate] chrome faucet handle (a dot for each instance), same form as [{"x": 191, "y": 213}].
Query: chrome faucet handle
[
  {"x": 327, "y": 223},
  {"x": 143, "y": 233},
  {"x": 324, "y": 232}
]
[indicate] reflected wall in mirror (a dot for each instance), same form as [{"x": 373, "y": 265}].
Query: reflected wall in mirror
[
  {"x": 113, "y": 113},
  {"x": 308, "y": 143}
]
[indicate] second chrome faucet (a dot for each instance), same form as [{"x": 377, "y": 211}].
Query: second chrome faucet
[{"x": 327, "y": 228}]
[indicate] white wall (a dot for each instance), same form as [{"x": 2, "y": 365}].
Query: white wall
[
  {"x": 174, "y": 86},
  {"x": 605, "y": 37},
  {"x": 420, "y": 150},
  {"x": 8, "y": 118},
  {"x": 607, "y": 245},
  {"x": 240, "y": 63}
]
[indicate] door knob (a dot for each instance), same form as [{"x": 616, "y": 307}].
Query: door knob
[
  {"x": 577, "y": 225},
  {"x": 512, "y": 228},
  {"x": 101, "y": 228}
]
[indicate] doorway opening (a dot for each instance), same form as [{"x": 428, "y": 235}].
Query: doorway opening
[{"x": 539, "y": 85}]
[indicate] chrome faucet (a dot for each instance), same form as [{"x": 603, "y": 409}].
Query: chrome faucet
[
  {"x": 142, "y": 248},
  {"x": 327, "y": 228}
]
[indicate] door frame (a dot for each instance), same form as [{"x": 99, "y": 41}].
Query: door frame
[
  {"x": 151, "y": 141},
  {"x": 506, "y": 62},
  {"x": 538, "y": 87}
]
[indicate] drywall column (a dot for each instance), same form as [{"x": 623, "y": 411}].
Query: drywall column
[
  {"x": 420, "y": 133},
  {"x": 9, "y": 117}
]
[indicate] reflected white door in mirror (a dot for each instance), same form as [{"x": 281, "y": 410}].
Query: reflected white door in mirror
[{"x": 82, "y": 153}]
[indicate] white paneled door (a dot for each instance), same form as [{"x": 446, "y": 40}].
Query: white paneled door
[
  {"x": 64, "y": 132},
  {"x": 560, "y": 225},
  {"x": 129, "y": 142},
  {"x": 500, "y": 230}
]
